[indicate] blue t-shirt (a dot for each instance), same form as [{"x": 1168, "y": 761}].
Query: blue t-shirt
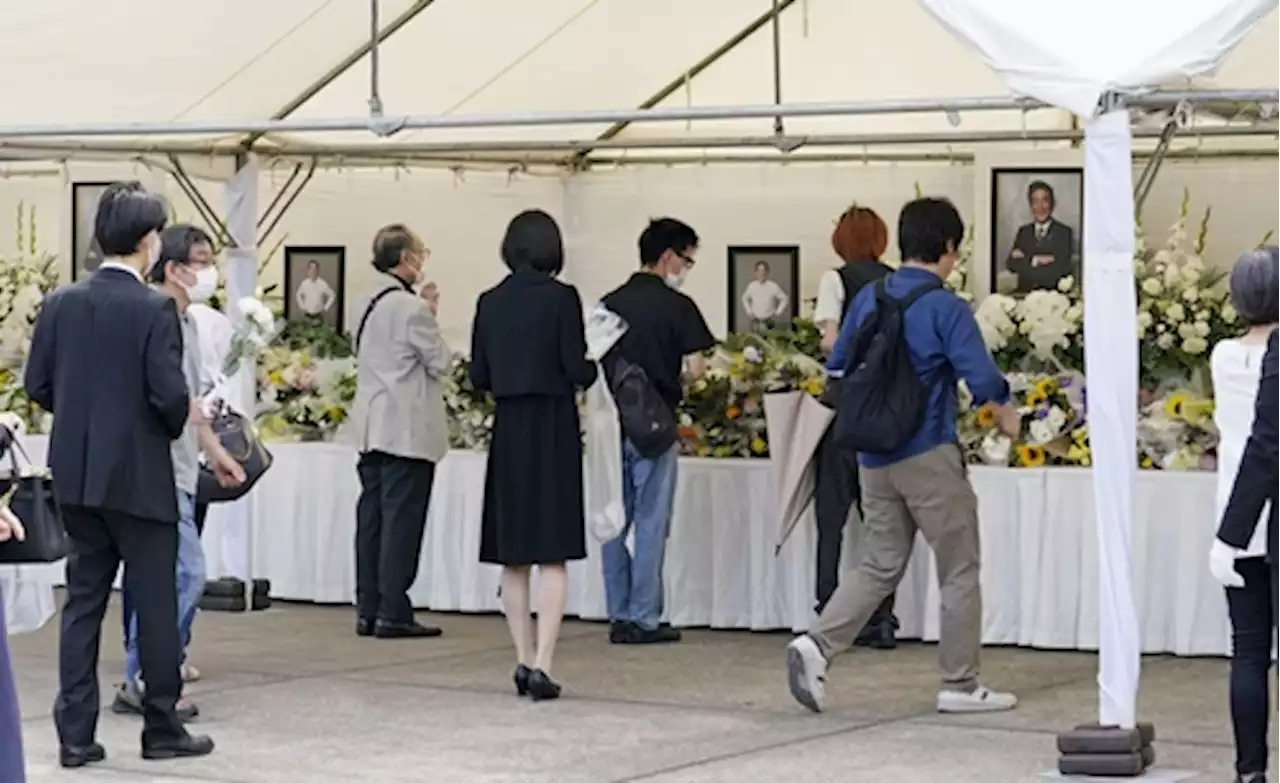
[{"x": 945, "y": 344}]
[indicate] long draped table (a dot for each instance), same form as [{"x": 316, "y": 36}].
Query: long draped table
[{"x": 1039, "y": 550}]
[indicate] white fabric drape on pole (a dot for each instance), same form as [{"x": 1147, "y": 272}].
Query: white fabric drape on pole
[
  {"x": 1111, "y": 370},
  {"x": 241, "y": 269}
]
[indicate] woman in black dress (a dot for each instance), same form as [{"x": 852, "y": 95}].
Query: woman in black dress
[{"x": 529, "y": 351}]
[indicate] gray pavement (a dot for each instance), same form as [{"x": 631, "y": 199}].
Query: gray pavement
[{"x": 292, "y": 695}]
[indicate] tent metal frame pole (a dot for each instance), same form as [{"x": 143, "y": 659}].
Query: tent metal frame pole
[
  {"x": 284, "y": 208},
  {"x": 392, "y": 125},
  {"x": 779, "y": 129},
  {"x": 710, "y": 59},
  {"x": 1147, "y": 179},
  {"x": 341, "y": 67},
  {"x": 375, "y": 100},
  {"x": 201, "y": 204}
]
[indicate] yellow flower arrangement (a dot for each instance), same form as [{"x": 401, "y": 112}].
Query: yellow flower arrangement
[{"x": 987, "y": 416}]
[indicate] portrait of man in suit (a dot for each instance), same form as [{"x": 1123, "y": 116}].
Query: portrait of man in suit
[{"x": 1035, "y": 227}]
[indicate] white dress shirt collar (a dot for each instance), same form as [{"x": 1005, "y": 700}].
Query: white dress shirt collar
[{"x": 123, "y": 267}]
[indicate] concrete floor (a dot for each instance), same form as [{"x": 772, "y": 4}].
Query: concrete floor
[{"x": 292, "y": 695}]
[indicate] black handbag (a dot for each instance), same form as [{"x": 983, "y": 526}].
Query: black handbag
[
  {"x": 235, "y": 433},
  {"x": 31, "y": 499}
]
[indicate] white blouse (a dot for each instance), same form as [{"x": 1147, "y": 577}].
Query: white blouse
[{"x": 1237, "y": 369}]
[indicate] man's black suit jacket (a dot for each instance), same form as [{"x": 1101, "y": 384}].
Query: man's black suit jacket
[
  {"x": 106, "y": 361},
  {"x": 1059, "y": 241},
  {"x": 1257, "y": 477}
]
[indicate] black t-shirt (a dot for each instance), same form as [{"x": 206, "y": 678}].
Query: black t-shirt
[{"x": 664, "y": 327}]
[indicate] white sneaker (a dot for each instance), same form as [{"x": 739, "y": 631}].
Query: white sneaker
[
  {"x": 190, "y": 673},
  {"x": 807, "y": 672},
  {"x": 980, "y": 700}
]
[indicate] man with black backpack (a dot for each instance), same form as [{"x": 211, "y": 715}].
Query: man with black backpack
[
  {"x": 900, "y": 353},
  {"x": 665, "y": 332}
]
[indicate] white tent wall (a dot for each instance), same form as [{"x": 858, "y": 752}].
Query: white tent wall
[{"x": 462, "y": 216}]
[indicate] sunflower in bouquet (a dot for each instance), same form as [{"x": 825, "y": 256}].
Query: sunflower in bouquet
[
  {"x": 1052, "y": 431},
  {"x": 1176, "y": 430}
]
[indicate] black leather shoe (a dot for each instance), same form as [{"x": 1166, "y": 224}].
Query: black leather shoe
[
  {"x": 387, "y": 630},
  {"x": 72, "y": 758},
  {"x": 521, "y": 679},
  {"x": 364, "y": 626},
  {"x": 619, "y": 630},
  {"x": 182, "y": 747},
  {"x": 542, "y": 687},
  {"x": 663, "y": 634}
]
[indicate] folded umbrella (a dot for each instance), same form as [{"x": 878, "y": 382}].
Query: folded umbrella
[{"x": 796, "y": 423}]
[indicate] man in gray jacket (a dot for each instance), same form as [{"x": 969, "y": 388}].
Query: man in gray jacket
[{"x": 398, "y": 420}]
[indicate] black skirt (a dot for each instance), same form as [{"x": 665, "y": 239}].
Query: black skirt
[{"x": 533, "y": 486}]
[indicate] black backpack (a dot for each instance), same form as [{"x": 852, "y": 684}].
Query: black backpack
[
  {"x": 882, "y": 401},
  {"x": 647, "y": 421}
]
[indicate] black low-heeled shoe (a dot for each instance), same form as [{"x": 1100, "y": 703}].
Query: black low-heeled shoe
[
  {"x": 521, "y": 679},
  {"x": 542, "y": 687}
]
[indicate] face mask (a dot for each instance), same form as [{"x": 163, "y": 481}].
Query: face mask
[
  {"x": 205, "y": 286},
  {"x": 153, "y": 256},
  {"x": 677, "y": 280}
]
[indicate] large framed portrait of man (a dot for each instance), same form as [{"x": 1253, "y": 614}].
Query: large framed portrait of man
[
  {"x": 763, "y": 284},
  {"x": 1035, "y": 228},
  {"x": 86, "y": 255}
]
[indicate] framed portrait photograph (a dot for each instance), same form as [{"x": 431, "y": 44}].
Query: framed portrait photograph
[
  {"x": 314, "y": 278},
  {"x": 763, "y": 287},
  {"x": 1035, "y": 228},
  {"x": 85, "y": 253}
]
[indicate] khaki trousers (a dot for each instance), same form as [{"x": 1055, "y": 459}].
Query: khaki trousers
[{"x": 929, "y": 492}]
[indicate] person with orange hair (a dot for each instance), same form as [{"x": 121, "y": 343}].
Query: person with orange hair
[{"x": 859, "y": 239}]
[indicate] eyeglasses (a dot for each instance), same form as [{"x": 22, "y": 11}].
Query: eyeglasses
[{"x": 689, "y": 261}]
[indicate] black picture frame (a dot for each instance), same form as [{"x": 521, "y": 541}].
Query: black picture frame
[
  {"x": 741, "y": 261},
  {"x": 1012, "y": 229},
  {"x": 332, "y": 262},
  {"x": 85, "y": 253}
]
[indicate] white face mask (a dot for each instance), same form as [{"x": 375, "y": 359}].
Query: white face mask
[
  {"x": 677, "y": 280},
  {"x": 205, "y": 286},
  {"x": 153, "y": 255}
]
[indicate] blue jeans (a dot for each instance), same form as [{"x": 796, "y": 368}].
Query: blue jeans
[
  {"x": 633, "y": 583},
  {"x": 191, "y": 578}
]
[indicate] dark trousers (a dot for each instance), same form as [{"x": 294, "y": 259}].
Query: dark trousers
[
  {"x": 12, "y": 766},
  {"x": 100, "y": 540},
  {"x": 836, "y": 492},
  {"x": 1253, "y": 619},
  {"x": 391, "y": 517}
]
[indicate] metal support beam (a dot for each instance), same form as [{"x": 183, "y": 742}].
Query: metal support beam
[
  {"x": 1142, "y": 188},
  {"x": 670, "y": 88},
  {"x": 266, "y": 233},
  {"x": 779, "y": 129},
  {"x": 588, "y": 117},
  {"x": 342, "y": 66},
  {"x": 201, "y": 204},
  {"x": 375, "y": 100}
]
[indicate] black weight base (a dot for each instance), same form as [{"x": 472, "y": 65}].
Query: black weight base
[
  {"x": 227, "y": 595},
  {"x": 1107, "y": 751}
]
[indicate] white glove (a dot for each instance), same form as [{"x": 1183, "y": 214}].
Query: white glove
[{"x": 1222, "y": 564}]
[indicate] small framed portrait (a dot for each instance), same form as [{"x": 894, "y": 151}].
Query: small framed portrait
[
  {"x": 1035, "y": 228},
  {"x": 85, "y": 253},
  {"x": 763, "y": 292},
  {"x": 314, "y": 278}
]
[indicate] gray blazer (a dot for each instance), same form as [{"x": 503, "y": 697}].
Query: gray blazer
[{"x": 400, "y": 361}]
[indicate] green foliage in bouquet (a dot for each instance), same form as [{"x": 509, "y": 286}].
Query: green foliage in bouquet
[
  {"x": 26, "y": 277},
  {"x": 469, "y": 411},
  {"x": 319, "y": 340}
]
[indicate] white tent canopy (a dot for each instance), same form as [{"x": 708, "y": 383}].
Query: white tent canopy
[{"x": 235, "y": 61}]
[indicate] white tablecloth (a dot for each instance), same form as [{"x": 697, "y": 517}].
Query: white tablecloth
[{"x": 1039, "y": 551}]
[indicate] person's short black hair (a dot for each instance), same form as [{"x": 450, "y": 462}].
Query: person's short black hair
[
  {"x": 126, "y": 214},
  {"x": 928, "y": 229},
  {"x": 663, "y": 234},
  {"x": 1043, "y": 186},
  {"x": 765, "y": 265},
  {"x": 533, "y": 241},
  {"x": 1255, "y": 286},
  {"x": 389, "y": 244},
  {"x": 176, "y": 242}
]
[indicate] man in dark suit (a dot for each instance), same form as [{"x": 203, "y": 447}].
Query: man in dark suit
[
  {"x": 106, "y": 360},
  {"x": 1044, "y": 249}
]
